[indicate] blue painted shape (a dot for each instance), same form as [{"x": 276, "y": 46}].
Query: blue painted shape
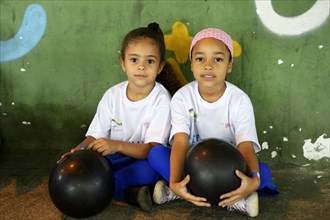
[{"x": 28, "y": 36}]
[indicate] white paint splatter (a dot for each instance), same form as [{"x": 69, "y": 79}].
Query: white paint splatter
[
  {"x": 317, "y": 150},
  {"x": 274, "y": 154},
  {"x": 293, "y": 156},
  {"x": 271, "y": 127},
  {"x": 264, "y": 146},
  {"x": 265, "y": 132},
  {"x": 280, "y": 61},
  {"x": 285, "y": 139},
  {"x": 320, "y": 47},
  {"x": 13, "y": 103},
  {"x": 306, "y": 165},
  {"x": 0, "y": 104},
  {"x": 26, "y": 123},
  {"x": 300, "y": 129},
  {"x": 292, "y": 65},
  {"x": 318, "y": 177},
  {"x": 4, "y": 113},
  {"x": 23, "y": 70}
]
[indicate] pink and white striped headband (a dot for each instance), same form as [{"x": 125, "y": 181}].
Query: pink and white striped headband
[{"x": 213, "y": 33}]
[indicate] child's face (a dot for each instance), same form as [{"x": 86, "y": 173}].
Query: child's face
[
  {"x": 210, "y": 62},
  {"x": 142, "y": 62}
]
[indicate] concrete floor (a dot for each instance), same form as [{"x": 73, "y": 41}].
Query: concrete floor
[{"x": 305, "y": 194}]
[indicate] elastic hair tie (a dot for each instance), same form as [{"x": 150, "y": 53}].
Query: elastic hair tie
[{"x": 83, "y": 146}]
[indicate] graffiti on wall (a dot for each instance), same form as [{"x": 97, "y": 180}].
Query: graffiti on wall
[
  {"x": 28, "y": 36},
  {"x": 297, "y": 25},
  {"x": 178, "y": 41}
]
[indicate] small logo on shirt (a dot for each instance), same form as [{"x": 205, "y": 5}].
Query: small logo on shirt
[
  {"x": 226, "y": 125},
  {"x": 192, "y": 114},
  {"x": 116, "y": 125}
]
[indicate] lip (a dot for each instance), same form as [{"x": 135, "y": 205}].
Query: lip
[
  {"x": 140, "y": 76},
  {"x": 208, "y": 76}
]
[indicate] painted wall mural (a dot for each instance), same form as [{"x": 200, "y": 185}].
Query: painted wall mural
[
  {"x": 33, "y": 27},
  {"x": 281, "y": 25},
  {"x": 28, "y": 36}
]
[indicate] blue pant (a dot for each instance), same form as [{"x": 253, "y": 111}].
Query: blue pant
[
  {"x": 159, "y": 160},
  {"x": 130, "y": 172}
]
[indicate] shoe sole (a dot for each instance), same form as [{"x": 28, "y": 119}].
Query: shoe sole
[
  {"x": 157, "y": 197},
  {"x": 254, "y": 205},
  {"x": 144, "y": 198}
]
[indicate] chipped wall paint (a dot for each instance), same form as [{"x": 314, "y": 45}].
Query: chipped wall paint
[
  {"x": 56, "y": 86},
  {"x": 317, "y": 150}
]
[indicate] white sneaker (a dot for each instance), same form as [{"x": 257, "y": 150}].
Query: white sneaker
[
  {"x": 248, "y": 206},
  {"x": 163, "y": 193}
]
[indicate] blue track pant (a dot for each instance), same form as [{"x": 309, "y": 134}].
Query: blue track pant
[
  {"x": 159, "y": 159},
  {"x": 130, "y": 172}
]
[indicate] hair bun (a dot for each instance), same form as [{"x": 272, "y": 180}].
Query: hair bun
[{"x": 154, "y": 26}]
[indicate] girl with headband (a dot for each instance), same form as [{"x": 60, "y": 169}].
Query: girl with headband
[{"x": 227, "y": 114}]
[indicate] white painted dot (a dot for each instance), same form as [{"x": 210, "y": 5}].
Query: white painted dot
[
  {"x": 320, "y": 46},
  {"x": 4, "y": 113},
  {"x": 23, "y": 70},
  {"x": 300, "y": 129},
  {"x": 264, "y": 146},
  {"x": 265, "y": 132},
  {"x": 274, "y": 154},
  {"x": 285, "y": 139},
  {"x": 280, "y": 61},
  {"x": 13, "y": 103},
  {"x": 292, "y": 65},
  {"x": 271, "y": 127},
  {"x": 293, "y": 156}
]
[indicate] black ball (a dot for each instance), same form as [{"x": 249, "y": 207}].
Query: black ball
[
  {"x": 81, "y": 185},
  {"x": 211, "y": 164}
]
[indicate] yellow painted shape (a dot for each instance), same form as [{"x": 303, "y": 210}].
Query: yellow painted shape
[
  {"x": 179, "y": 41},
  {"x": 179, "y": 75},
  {"x": 237, "y": 49}
]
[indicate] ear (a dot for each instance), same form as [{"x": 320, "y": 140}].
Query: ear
[
  {"x": 122, "y": 63},
  {"x": 229, "y": 67}
]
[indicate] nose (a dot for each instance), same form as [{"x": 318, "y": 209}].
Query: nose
[
  {"x": 208, "y": 66},
  {"x": 141, "y": 67}
]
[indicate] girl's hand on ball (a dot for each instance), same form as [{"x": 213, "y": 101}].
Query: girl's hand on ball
[
  {"x": 180, "y": 189},
  {"x": 248, "y": 186}
]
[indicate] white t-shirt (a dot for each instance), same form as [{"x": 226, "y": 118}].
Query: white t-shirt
[
  {"x": 230, "y": 118},
  {"x": 143, "y": 121}
]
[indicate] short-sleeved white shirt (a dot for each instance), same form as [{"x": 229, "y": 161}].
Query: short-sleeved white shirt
[
  {"x": 143, "y": 121},
  {"x": 230, "y": 118}
]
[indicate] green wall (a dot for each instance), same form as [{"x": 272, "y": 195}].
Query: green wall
[{"x": 51, "y": 103}]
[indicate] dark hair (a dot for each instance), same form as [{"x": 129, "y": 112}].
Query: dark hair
[
  {"x": 167, "y": 77},
  {"x": 153, "y": 32}
]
